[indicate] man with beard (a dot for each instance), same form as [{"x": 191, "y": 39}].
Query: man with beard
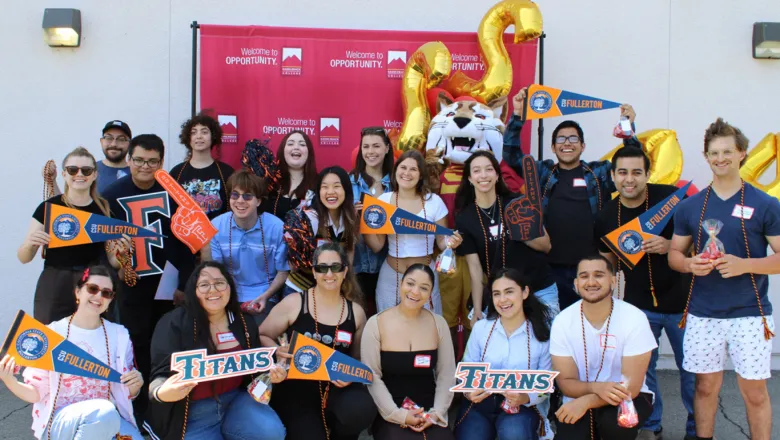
[
  {"x": 652, "y": 285},
  {"x": 601, "y": 348},
  {"x": 573, "y": 191}
]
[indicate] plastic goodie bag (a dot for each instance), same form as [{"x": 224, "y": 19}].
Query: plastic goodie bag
[
  {"x": 260, "y": 388},
  {"x": 627, "y": 417},
  {"x": 409, "y": 404},
  {"x": 623, "y": 129},
  {"x": 445, "y": 262},
  {"x": 509, "y": 409},
  {"x": 713, "y": 248}
]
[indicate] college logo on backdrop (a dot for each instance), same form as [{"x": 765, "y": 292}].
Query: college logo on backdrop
[
  {"x": 229, "y": 126},
  {"x": 396, "y": 63},
  {"x": 66, "y": 227},
  {"x": 292, "y": 61},
  {"x": 330, "y": 131}
]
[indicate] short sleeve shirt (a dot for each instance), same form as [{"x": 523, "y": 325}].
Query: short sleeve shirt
[
  {"x": 207, "y": 186},
  {"x": 413, "y": 245}
]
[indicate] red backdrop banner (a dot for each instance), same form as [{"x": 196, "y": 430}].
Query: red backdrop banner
[{"x": 263, "y": 82}]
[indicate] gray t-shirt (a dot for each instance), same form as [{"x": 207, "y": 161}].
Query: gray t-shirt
[{"x": 108, "y": 175}]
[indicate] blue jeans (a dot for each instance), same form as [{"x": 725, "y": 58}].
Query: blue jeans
[
  {"x": 564, "y": 278},
  {"x": 668, "y": 322},
  {"x": 486, "y": 419},
  {"x": 233, "y": 416},
  {"x": 88, "y": 419}
]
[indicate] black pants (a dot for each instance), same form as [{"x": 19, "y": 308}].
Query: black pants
[
  {"x": 348, "y": 412},
  {"x": 367, "y": 283},
  {"x": 384, "y": 430},
  {"x": 54, "y": 297},
  {"x": 605, "y": 423},
  {"x": 564, "y": 279}
]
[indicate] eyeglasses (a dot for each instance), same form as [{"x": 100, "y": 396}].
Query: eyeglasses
[
  {"x": 153, "y": 163},
  {"x": 94, "y": 289},
  {"x": 220, "y": 286},
  {"x": 246, "y": 196},
  {"x": 119, "y": 140},
  {"x": 728, "y": 154},
  {"x": 85, "y": 171},
  {"x": 335, "y": 268},
  {"x": 573, "y": 139}
]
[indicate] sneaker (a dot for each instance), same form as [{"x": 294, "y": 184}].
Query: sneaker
[{"x": 645, "y": 434}]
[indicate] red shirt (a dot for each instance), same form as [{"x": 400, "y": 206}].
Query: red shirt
[{"x": 213, "y": 388}]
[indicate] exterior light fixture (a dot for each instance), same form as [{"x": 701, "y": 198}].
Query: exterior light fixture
[
  {"x": 766, "y": 40},
  {"x": 62, "y": 27}
]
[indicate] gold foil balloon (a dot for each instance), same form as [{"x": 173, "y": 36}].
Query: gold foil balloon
[
  {"x": 426, "y": 68},
  {"x": 759, "y": 159},
  {"x": 666, "y": 158},
  {"x": 497, "y": 80}
]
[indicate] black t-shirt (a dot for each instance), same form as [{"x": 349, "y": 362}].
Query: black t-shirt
[
  {"x": 207, "y": 186},
  {"x": 150, "y": 207},
  {"x": 517, "y": 254},
  {"x": 670, "y": 286},
  {"x": 79, "y": 256},
  {"x": 568, "y": 219},
  {"x": 279, "y": 205}
]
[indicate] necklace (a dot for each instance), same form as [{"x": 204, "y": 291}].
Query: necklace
[
  {"x": 649, "y": 263},
  {"x": 768, "y": 334},
  {"x": 324, "y": 395},
  {"x": 603, "y": 354},
  {"x": 500, "y": 233},
  {"x": 221, "y": 178},
  {"x": 262, "y": 242},
  {"x": 489, "y": 213},
  {"x": 397, "y": 267}
]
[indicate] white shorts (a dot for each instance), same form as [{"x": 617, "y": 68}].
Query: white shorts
[{"x": 708, "y": 339}]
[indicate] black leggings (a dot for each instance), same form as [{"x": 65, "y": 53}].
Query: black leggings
[
  {"x": 605, "y": 426},
  {"x": 367, "y": 283}
]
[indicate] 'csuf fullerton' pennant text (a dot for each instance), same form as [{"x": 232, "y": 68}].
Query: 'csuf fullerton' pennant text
[{"x": 473, "y": 376}]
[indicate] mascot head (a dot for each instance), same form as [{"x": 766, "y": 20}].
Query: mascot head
[{"x": 464, "y": 126}]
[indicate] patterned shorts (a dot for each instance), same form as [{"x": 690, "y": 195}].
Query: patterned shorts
[{"x": 707, "y": 340}]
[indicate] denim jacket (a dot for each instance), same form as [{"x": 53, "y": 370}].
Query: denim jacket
[
  {"x": 598, "y": 182},
  {"x": 365, "y": 260}
]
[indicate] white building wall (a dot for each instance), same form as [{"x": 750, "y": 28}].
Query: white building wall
[{"x": 680, "y": 63}]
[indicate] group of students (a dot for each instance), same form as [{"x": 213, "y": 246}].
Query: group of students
[{"x": 551, "y": 303}]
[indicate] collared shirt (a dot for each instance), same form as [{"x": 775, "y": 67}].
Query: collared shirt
[
  {"x": 249, "y": 256},
  {"x": 508, "y": 352},
  {"x": 366, "y": 260}
]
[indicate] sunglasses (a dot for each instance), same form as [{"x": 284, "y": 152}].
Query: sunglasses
[
  {"x": 85, "y": 171},
  {"x": 335, "y": 268},
  {"x": 94, "y": 289},
  {"x": 246, "y": 196}
]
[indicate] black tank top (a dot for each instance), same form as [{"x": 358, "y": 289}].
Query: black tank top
[
  {"x": 403, "y": 379},
  {"x": 304, "y": 324}
]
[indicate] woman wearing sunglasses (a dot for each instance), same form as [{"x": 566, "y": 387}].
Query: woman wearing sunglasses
[
  {"x": 410, "y": 192},
  {"x": 250, "y": 245},
  {"x": 410, "y": 351},
  {"x": 371, "y": 176},
  {"x": 53, "y": 296},
  {"x": 299, "y": 174},
  {"x": 211, "y": 319},
  {"x": 329, "y": 313},
  {"x": 67, "y": 406}
]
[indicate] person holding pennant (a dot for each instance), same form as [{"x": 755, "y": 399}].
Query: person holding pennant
[
  {"x": 480, "y": 205},
  {"x": 601, "y": 347},
  {"x": 69, "y": 406},
  {"x": 573, "y": 191},
  {"x": 515, "y": 336},
  {"x": 329, "y": 313},
  {"x": 53, "y": 297},
  {"x": 730, "y": 225},
  {"x": 651, "y": 285},
  {"x": 410, "y": 192},
  {"x": 210, "y": 319},
  {"x": 410, "y": 351},
  {"x": 298, "y": 169}
]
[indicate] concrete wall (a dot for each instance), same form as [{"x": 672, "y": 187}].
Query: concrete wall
[{"x": 679, "y": 63}]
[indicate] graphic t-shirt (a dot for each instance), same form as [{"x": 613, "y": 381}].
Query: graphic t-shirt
[
  {"x": 108, "y": 175},
  {"x": 714, "y": 296},
  {"x": 81, "y": 255},
  {"x": 207, "y": 186},
  {"x": 671, "y": 287},
  {"x": 568, "y": 218}
]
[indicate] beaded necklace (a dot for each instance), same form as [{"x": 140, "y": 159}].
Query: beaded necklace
[
  {"x": 324, "y": 395},
  {"x": 219, "y": 170},
  {"x": 649, "y": 263},
  {"x": 603, "y": 354},
  {"x": 501, "y": 227},
  {"x": 397, "y": 266}
]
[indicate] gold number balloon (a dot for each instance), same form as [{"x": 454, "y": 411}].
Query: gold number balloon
[
  {"x": 759, "y": 159},
  {"x": 666, "y": 158}
]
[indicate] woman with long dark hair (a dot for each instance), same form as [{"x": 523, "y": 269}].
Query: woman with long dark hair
[
  {"x": 211, "y": 319},
  {"x": 410, "y": 351},
  {"x": 298, "y": 169},
  {"x": 67, "y": 406},
  {"x": 410, "y": 192},
  {"x": 515, "y": 336},
  {"x": 480, "y": 205},
  {"x": 371, "y": 176},
  {"x": 330, "y": 313}
]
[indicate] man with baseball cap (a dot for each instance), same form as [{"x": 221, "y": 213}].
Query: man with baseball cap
[{"x": 115, "y": 141}]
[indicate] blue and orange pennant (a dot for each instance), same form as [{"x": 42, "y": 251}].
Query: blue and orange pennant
[
  {"x": 70, "y": 227},
  {"x": 199, "y": 366},
  {"x": 548, "y": 102},
  {"x": 32, "y": 344},
  {"x": 315, "y": 361},
  {"x": 383, "y": 218},
  {"x": 189, "y": 223},
  {"x": 626, "y": 241}
]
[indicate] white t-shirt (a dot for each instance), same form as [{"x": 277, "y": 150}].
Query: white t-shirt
[
  {"x": 629, "y": 335},
  {"x": 411, "y": 245}
]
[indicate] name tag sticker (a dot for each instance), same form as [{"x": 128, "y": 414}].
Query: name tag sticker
[
  {"x": 344, "y": 337},
  {"x": 608, "y": 341},
  {"x": 422, "y": 361},
  {"x": 579, "y": 183},
  {"x": 494, "y": 230},
  {"x": 745, "y": 212},
  {"x": 226, "y": 337}
]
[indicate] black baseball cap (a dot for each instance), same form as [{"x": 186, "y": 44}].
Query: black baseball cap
[{"x": 119, "y": 125}]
